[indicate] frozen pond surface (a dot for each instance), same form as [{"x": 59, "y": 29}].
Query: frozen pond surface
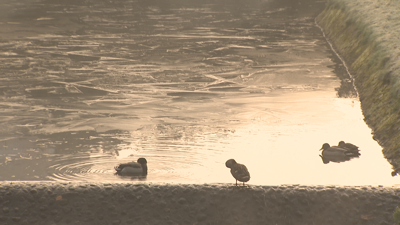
[{"x": 188, "y": 84}]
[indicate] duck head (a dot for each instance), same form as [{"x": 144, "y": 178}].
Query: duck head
[
  {"x": 230, "y": 163},
  {"x": 143, "y": 162},
  {"x": 325, "y": 146}
]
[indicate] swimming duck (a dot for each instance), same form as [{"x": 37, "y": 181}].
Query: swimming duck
[
  {"x": 352, "y": 148},
  {"x": 138, "y": 168},
  {"x": 238, "y": 171},
  {"x": 332, "y": 151}
]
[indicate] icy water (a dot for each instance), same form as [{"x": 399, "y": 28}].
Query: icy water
[{"x": 86, "y": 85}]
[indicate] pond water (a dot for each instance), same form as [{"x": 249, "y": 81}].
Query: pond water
[{"x": 86, "y": 85}]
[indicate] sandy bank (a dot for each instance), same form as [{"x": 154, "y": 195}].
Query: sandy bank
[
  {"x": 366, "y": 34},
  {"x": 95, "y": 203}
]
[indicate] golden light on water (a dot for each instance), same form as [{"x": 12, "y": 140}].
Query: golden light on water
[
  {"x": 284, "y": 150},
  {"x": 278, "y": 139}
]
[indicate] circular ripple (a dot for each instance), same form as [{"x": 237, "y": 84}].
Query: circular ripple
[
  {"x": 82, "y": 167},
  {"x": 168, "y": 165}
]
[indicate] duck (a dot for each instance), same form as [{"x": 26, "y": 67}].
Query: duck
[
  {"x": 349, "y": 146},
  {"x": 332, "y": 151},
  {"x": 138, "y": 168},
  {"x": 238, "y": 171}
]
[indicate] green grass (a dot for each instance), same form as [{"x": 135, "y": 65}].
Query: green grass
[{"x": 396, "y": 215}]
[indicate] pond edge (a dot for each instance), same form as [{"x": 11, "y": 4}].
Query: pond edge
[{"x": 366, "y": 34}]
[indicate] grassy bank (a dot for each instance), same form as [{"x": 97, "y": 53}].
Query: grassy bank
[{"x": 366, "y": 33}]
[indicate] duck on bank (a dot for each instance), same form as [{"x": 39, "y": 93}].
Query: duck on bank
[{"x": 238, "y": 171}]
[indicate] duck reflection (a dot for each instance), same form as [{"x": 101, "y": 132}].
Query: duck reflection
[{"x": 342, "y": 153}]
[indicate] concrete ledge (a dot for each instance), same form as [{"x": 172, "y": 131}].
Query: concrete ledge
[{"x": 125, "y": 203}]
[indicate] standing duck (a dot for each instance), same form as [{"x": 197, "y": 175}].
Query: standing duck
[
  {"x": 138, "y": 168},
  {"x": 238, "y": 171}
]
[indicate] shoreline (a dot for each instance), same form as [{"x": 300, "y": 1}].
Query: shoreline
[
  {"x": 369, "y": 46},
  {"x": 125, "y": 203}
]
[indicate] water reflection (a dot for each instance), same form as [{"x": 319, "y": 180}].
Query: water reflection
[{"x": 87, "y": 85}]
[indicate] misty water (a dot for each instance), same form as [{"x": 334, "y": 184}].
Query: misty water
[{"x": 86, "y": 85}]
